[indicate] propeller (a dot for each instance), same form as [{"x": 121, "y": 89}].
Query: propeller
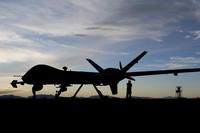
[{"x": 121, "y": 68}]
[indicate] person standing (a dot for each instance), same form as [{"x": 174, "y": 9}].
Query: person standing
[{"x": 129, "y": 90}]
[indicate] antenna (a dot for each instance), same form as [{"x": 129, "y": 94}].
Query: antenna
[{"x": 179, "y": 92}]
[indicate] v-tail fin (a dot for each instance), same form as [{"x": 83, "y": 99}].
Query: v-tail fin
[{"x": 133, "y": 62}]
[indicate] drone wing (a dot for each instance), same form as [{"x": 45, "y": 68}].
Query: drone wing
[{"x": 159, "y": 72}]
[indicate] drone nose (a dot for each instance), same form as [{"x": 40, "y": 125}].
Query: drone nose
[{"x": 25, "y": 78}]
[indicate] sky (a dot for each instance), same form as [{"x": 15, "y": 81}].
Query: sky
[{"x": 66, "y": 32}]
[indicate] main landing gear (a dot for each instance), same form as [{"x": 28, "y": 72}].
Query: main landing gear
[
  {"x": 98, "y": 91},
  {"x": 62, "y": 89}
]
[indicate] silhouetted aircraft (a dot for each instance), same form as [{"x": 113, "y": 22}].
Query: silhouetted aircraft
[{"x": 40, "y": 75}]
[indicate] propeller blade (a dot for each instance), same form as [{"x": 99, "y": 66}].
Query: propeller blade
[
  {"x": 131, "y": 78},
  {"x": 120, "y": 65}
]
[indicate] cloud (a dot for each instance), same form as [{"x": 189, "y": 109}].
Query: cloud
[
  {"x": 195, "y": 34},
  {"x": 177, "y": 62},
  {"x": 128, "y": 20},
  {"x": 22, "y": 55},
  {"x": 168, "y": 66},
  {"x": 148, "y": 19},
  {"x": 187, "y": 36},
  {"x": 186, "y": 60},
  {"x": 6, "y": 35},
  {"x": 197, "y": 53},
  {"x": 196, "y": 9},
  {"x": 81, "y": 35},
  {"x": 100, "y": 28},
  {"x": 40, "y": 31},
  {"x": 58, "y": 31}
]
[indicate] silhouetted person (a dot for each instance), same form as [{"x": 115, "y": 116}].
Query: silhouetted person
[{"x": 129, "y": 90}]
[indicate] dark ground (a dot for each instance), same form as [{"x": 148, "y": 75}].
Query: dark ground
[
  {"x": 108, "y": 105},
  {"x": 65, "y": 112}
]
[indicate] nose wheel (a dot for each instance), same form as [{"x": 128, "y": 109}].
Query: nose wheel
[{"x": 36, "y": 87}]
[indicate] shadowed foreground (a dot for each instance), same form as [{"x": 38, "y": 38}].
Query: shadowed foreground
[
  {"x": 107, "y": 106},
  {"x": 102, "y": 114}
]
